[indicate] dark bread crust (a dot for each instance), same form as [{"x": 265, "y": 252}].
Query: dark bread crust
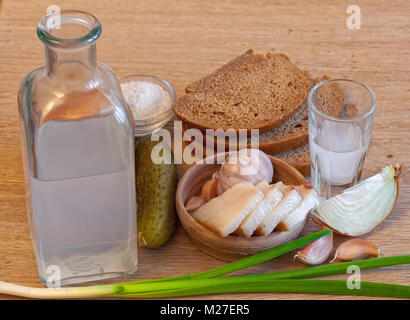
[{"x": 252, "y": 91}]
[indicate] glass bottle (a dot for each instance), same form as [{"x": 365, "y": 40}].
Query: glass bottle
[{"x": 78, "y": 156}]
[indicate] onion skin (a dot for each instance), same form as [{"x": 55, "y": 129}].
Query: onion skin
[
  {"x": 318, "y": 221},
  {"x": 356, "y": 249}
]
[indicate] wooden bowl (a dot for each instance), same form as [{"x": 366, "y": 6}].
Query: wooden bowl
[{"x": 231, "y": 247}]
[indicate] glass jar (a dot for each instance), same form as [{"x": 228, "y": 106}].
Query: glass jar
[
  {"x": 78, "y": 155},
  {"x": 147, "y": 126}
]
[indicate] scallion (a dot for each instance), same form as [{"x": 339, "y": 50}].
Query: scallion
[
  {"x": 206, "y": 282},
  {"x": 244, "y": 285},
  {"x": 248, "y": 261}
]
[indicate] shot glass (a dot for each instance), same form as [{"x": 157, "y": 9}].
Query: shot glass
[{"x": 339, "y": 136}]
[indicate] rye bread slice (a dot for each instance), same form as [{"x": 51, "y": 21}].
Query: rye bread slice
[
  {"x": 294, "y": 131},
  {"x": 290, "y": 134},
  {"x": 253, "y": 91}
]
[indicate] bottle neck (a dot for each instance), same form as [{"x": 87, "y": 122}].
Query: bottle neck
[{"x": 85, "y": 55}]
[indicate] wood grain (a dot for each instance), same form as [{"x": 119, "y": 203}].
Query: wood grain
[{"x": 183, "y": 40}]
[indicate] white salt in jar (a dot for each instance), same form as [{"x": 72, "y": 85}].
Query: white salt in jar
[{"x": 150, "y": 99}]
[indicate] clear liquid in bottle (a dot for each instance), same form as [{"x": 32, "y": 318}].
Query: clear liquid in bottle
[{"x": 78, "y": 154}]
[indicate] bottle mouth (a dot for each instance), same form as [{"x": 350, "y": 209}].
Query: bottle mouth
[{"x": 68, "y": 28}]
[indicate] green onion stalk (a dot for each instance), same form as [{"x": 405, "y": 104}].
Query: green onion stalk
[{"x": 206, "y": 282}]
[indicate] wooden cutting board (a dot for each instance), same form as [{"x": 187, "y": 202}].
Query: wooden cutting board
[{"x": 182, "y": 40}]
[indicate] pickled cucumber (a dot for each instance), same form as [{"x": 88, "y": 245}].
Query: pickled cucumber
[{"x": 155, "y": 187}]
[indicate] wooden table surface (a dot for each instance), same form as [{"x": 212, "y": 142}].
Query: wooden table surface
[{"x": 183, "y": 40}]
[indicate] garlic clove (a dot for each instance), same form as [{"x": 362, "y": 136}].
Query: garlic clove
[
  {"x": 209, "y": 189},
  {"x": 219, "y": 188},
  {"x": 356, "y": 249},
  {"x": 217, "y": 175},
  {"x": 317, "y": 252},
  {"x": 195, "y": 203}
]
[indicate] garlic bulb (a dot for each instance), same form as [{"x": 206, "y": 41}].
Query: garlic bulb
[{"x": 246, "y": 165}]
